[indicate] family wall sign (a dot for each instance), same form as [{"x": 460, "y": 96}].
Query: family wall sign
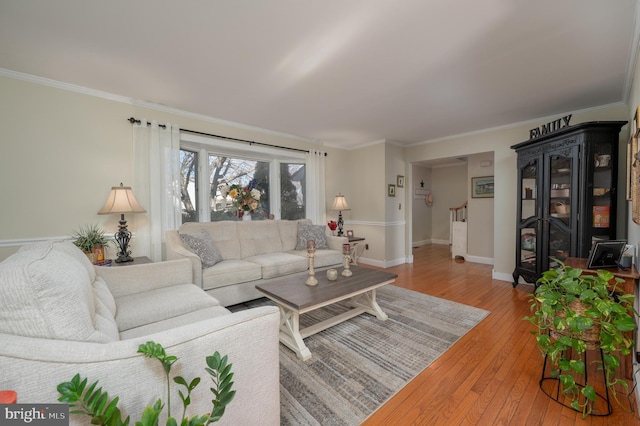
[{"x": 551, "y": 126}]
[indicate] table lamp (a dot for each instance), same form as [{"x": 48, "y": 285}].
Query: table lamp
[
  {"x": 121, "y": 200},
  {"x": 340, "y": 204}
]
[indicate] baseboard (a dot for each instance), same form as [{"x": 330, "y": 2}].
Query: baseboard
[
  {"x": 383, "y": 264},
  {"x": 441, "y": 242},
  {"x": 501, "y": 276},
  {"x": 478, "y": 259}
]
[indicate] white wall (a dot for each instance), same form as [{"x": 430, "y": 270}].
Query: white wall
[
  {"x": 62, "y": 151},
  {"x": 420, "y": 213},
  {"x": 449, "y": 189},
  {"x": 480, "y": 226}
]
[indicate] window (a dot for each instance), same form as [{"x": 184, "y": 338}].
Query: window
[
  {"x": 292, "y": 191},
  {"x": 207, "y": 196},
  {"x": 188, "y": 166}
]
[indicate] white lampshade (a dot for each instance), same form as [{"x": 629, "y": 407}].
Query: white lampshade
[
  {"x": 340, "y": 203},
  {"x": 121, "y": 200}
]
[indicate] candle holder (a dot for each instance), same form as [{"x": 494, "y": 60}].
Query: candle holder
[
  {"x": 346, "y": 250},
  {"x": 311, "y": 252}
]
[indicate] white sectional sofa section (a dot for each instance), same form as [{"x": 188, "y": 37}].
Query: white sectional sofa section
[{"x": 60, "y": 315}]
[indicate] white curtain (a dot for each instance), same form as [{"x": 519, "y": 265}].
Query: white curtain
[
  {"x": 156, "y": 154},
  {"x": 316, "y": 208}
]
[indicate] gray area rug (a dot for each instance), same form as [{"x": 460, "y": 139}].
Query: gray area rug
[{"x": 358, "y": 365}]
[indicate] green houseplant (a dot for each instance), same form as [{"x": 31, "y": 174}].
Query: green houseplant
[
  {"x": 573, "y": 312},
  {"x": 92, "y": 401},
  {"x": 87, "y": 237}
]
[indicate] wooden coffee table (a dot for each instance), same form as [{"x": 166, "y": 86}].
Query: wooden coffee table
[{"x": 293, "y": 297}]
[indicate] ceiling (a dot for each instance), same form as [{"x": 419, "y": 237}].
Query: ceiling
[{"x": 344, "y": 73}]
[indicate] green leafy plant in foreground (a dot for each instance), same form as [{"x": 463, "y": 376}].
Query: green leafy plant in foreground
[
  {"x": 565, "y": 307},
  {"x": 96, "y": 403}
]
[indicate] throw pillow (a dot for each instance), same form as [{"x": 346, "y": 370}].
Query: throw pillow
[
  {"x": 202, "y": 244},
  {"x": 307, "y": 231}
]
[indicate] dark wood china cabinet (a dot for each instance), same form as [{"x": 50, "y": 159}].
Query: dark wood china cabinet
[{"x": 567, "y": 194}]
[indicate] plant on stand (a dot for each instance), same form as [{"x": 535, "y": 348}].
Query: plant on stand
[{"x": 573, "y": 312}]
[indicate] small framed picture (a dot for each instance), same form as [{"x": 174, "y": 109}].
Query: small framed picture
[
  {"x": 400, "y": 181},
  {"x": 350, "y": 233},
  {"x": 482, "y": 187},
  {"x": 391, "y": 190}
]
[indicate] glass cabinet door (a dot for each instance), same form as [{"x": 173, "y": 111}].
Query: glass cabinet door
[
  {"x": 529, "y": 216},
  {"x": 602, "y": 191},
  {"x": 561, "y": 203}
]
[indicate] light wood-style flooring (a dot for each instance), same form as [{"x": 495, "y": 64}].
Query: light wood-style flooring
[{"x": 490, "y": 376}]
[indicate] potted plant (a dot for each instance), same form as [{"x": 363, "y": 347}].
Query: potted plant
[
  {"x": 91, "y": 240},
  {"x": 103, "y": 410},
  {"x": 573, "y": 312}
]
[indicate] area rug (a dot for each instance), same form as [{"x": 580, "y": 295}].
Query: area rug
[{"x": 359, "y": 364}]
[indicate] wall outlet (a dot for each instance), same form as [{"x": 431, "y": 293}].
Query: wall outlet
[{"x": 366, "y": 246}]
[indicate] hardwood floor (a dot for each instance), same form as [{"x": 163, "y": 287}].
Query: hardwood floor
[{"x": 491, "y": 375}]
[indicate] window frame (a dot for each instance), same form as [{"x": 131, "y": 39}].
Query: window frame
[{"x": 208, "y": 145}]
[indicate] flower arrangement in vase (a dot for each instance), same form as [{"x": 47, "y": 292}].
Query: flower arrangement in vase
[{"x": 246, "y": 199}]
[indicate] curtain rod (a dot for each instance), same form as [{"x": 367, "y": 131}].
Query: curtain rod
[{"x": 136, "y": 121}]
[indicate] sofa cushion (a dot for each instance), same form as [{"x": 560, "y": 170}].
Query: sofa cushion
[
  {"x": 46, "y": 291},
  {"x": 136, "y": 310},
  {"x": 229, "y": 272},
  {"x": 289, "y": 233},
  {"x": 202, "y": 245},
  {"x": 180, "y": 320},
  {"x": 307, "y": 232},
  {"x": 223, "y": 234},
  {"x": 279, "y": 264},
  {"x": 259, "y": 237},
  {"x": 322, "y": 258}
]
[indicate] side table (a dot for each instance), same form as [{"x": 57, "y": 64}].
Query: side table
[
  {"x": 356, "y": 249},
  {"x": 136, "y": 261}
]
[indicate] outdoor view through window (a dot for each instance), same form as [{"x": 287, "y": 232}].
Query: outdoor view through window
[{"x": 236, "y": 188}]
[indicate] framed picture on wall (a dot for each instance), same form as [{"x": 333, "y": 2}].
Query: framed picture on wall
[
  {"x": 391, "y": 190},
  {"x": 632, "y": 148},
  {"x": 400, "y": 181},
  {"x": 482, "y": 187}
]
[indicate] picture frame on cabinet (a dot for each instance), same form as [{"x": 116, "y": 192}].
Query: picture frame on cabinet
[
  {"x": 391, "y": 190},
  {"x": 482, "y": 187}
]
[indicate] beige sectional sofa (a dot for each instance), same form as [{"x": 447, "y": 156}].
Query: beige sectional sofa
[
  {"x": 249, "y": 252},
  {"x": 60, "y": 315}
]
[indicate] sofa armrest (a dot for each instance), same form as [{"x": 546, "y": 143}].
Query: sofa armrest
[
  {"x": 34, "y": 367},
  {"x": 123, "y": 281},
  {"x": 335, "y": 243},
  {"x": 176, "y": 250}
]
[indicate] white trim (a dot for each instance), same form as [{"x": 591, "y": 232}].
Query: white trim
[
  {"x": 146, "y": 104},
  {"x": 478, "y": 259},
  {"x": 380, "y": 224},
  {"x": 501, "y": 276},
  {"x": 23, "y": 241},
  {"x": 633, "y": 61},
  {"x": 441, "y": 242},
  {"x": 511, "y": 125}
]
